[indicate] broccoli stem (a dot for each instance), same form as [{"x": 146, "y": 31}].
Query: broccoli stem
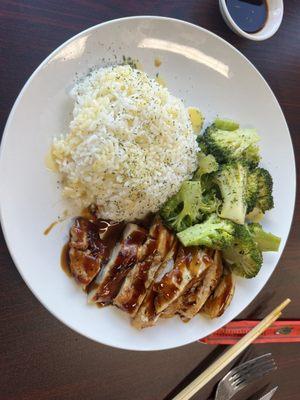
[
  {"x": 198, "y": 235},
  {"x": 266, "y": 241},
  {"x": 232, "y": 180},
  {"x": 215, "y": 233},
  {"x": 226, "y": 124}
]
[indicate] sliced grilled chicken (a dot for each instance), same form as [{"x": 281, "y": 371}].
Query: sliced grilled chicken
[
  {"x": 148, "y": 275},
  {"x": 79, "y": 233},
  {"x": 87, "y": 250},
  {"x": 171, "y": 282},
  {"x": 123, "y": 257},
  {"x": 196, "y": 280},
  {"x": 196, "y": 297},
  {"x": 146, "y": 315},
  {"x": 84, "y": 266},
  {"x": 190, "y": 263},
  {"x": 221, "y": 297},
  {"x": 140, "y": 277}
]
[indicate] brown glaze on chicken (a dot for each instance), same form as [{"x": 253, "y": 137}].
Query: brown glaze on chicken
[
  {"x": 196, "y": 280},
  {"x": 143, "y": 270},
  {"x": 196, "y": 297},
  {"x": 147, "y": 315},
  {"x": 89, "y": 247},
  {"x": 123, "y": 257},
  {"x": 171, "y": 282},
  {"x": 190, "y": 263},
  {"x": 140, "y": 277},
  {"x": 221, "y": 297}
]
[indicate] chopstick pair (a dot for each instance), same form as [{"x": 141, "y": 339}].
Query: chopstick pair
[{"x": 230, "y": 354}]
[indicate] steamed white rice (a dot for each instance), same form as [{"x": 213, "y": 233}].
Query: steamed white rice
[{"x": 130, "y": 145}]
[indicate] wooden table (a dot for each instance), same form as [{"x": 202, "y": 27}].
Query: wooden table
[{"x": 40, "y": 358}]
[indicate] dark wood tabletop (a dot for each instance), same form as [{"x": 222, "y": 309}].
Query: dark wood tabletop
[{"x": 40, "y": 358}]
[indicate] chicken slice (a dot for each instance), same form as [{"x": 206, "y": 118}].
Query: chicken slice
[
  {"x": 87, "y": 250},
  {"x": 140, "y": 277},
  {"x": 84, "y": 266},
  {"x": 171, "y": 282},
  {"x": 190, "y": 263},
  {"x": 123, "y": 257},
  {"x": 221, "y": 297},
  {"x": 79, "y": 233},
  {"x": 196, "y": 297},
  {"x": 176, "y": 305},
  {"x": 146, "y": 315}
]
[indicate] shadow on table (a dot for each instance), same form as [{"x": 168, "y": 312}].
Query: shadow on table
[{"x": 251, "y": 389}]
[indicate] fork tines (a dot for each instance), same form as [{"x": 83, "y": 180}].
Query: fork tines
[{"x": 248, "y": 372}]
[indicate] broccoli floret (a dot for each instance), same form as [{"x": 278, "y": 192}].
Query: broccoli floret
[
  {"x": 182, "y": 209},
  {"x": 256, "y": 215},
  {"x": 202, "y": 146},
  {"x": 171, "y": 208},
  {"x": 259, "y": 193},
  {"x": 206, "y": 165},
  {"x": 251, "y": 191},
  {"x": 210, "y": 201},
  {"x": 194, "y": 199},
  {"x": 238, "y": 144},
  {"x": 232, "y": 180},
  {"x": 215, "y": 233},
  {"x": 210, "y": 187},
  {"x": 265, "y": 188},
  {"x": 266, "y": 241},
  {"x": 244, "y": 256},
  {"x": 188, "y": 206},
  {"x": 226, "y": 124}
]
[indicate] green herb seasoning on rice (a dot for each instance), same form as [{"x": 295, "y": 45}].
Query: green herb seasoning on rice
[{"x": 130, "y": 146}]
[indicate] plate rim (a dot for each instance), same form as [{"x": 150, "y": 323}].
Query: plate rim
[{"x": 11, "y": 116}]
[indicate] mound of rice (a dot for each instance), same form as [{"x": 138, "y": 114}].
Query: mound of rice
[{"x": 130, "y": 145}]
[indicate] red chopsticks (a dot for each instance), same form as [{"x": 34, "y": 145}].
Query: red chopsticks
[{"x": 278, "y": 332}]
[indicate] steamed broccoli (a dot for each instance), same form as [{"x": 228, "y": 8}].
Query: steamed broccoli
[
  {"x": 266, "y": 241},
  {"x": 259, "y": 196},
  {"x": 251, "y": 191},
  {"x": 231, "y": 145},
  {"x": 244, "y": 256},
  {"x": 202, "y": 146},
  {"x": 206, "y": 165},
  {"x": 226, "y": 124},
  {"x": 171, "y": 208},
  {"x": 232, "y": 180},
  {"x": 256, "y": 215},
  {"x": 182, "y": 209},
  {"x": 265, "y": 188},
  {"x": 215, "y": 233},
  {"x": 187, "y": 206}
]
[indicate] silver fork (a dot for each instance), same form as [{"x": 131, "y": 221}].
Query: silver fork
[{"x": 243, "y": 374}]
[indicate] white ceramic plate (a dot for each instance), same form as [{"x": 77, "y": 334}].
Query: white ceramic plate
[{"x": 197, "y": 66}]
